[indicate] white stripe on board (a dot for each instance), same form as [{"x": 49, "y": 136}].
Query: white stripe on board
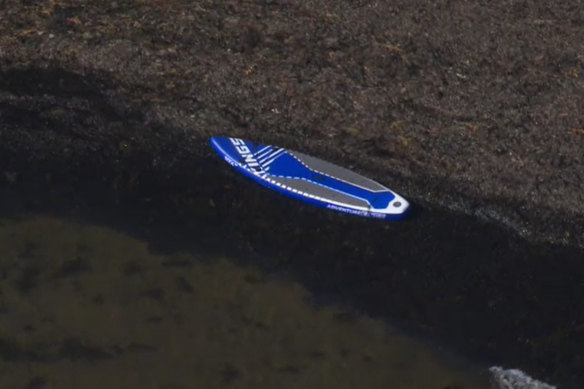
[
  {"x": 264, "y": 153},
  {"x": 260, "y": 151},
  {"x": 266, "y": 157},
  {"x": 275, "y": 156}
]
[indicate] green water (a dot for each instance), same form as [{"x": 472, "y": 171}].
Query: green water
[{"x": 87, "y": 306}]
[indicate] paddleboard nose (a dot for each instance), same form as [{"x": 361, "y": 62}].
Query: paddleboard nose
[{"x": 398, "y": 206}]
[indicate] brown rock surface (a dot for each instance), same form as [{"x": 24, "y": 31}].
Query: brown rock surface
[
  {"x": 472, "y": 106},
  {"x": 482, "y": 102}
]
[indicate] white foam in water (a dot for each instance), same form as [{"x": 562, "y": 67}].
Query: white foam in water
[{"x": 515, "y": 379}]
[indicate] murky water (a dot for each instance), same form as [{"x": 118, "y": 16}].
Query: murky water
[{"x": 87, "y": 306}]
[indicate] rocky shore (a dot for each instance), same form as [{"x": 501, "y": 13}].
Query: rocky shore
[
  {"x": 471, "y": 107},
  {"x": 472, "y": 111}
]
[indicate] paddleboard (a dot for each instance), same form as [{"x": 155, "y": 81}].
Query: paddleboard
[{"x": 311, "y": 179}]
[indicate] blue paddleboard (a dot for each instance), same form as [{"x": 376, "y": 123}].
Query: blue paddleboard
[{"x": 310, "y": 179}]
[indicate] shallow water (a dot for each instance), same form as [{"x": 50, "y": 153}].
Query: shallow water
[{"x": 88, "y": 306}]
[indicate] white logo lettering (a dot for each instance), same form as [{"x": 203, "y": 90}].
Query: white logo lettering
[{"x": 246, "y": 154}]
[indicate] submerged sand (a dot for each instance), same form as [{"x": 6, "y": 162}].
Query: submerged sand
[{"x": 87, "y": 306}]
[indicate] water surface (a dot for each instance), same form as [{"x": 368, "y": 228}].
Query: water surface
[{"x": 88, "y": 306}]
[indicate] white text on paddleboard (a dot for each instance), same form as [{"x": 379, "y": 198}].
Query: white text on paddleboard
[{"x": 245, "y": 152}]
